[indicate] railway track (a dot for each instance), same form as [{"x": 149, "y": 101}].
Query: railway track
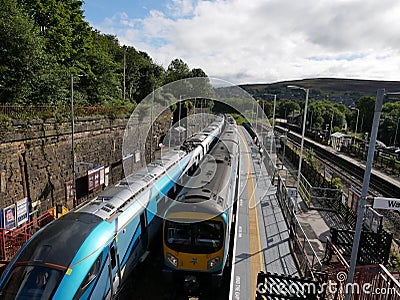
[{"x": 355, "y": 172}]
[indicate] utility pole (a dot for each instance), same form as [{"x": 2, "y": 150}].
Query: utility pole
[
  {"x": 151, "y": 127},
  {"x": 124, "y": 73},
  {"x": 307, "y": 91},
  {"x": 363, "y": 201}
]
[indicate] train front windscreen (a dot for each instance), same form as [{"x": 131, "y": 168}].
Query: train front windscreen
[
  {"x": 31, "y": 282},
  {"x": 202, "y": 237}
]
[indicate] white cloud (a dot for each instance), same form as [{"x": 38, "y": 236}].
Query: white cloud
[
  {"x": 180, "y": 8},
  {"x": 263, "y": 41}
]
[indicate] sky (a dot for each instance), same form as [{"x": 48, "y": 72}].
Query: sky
[{"x": 260, "y": 41}]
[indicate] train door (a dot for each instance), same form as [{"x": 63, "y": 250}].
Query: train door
[
  {"x": 144, "y": 234},
  {"x": 114, "y": 268}
]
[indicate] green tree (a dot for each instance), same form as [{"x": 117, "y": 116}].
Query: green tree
[
  {"x": 62, "y": 26},
  {"x": 197, "y": 72},
  {"x": 177, "y": 70},
  {"x": 100, "y": 83},
  {"x": 389, "y": 123},
  {"x": 151, "y": 75},
  {"x": 287, "y": 107},
  {"x": 268, "y": 108},
  {"x": 322, "y": 113},
  {"x": 367, "y": 107},
  {"x": 27, "y": 73}
]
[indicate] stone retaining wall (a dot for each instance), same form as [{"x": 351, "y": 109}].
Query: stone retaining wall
[{"x": 36, "y": 158}]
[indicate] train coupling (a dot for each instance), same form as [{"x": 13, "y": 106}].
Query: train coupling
[{"x": 191, "y": 284}]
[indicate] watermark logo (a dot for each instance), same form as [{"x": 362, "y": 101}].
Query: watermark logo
[
  {"x": 195, "y": 95},
  {"x": 341, "y": 276},
  {"x": 303, "y": 288}
]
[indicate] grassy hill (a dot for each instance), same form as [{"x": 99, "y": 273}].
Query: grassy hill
[{"x": 332, "y": 89}]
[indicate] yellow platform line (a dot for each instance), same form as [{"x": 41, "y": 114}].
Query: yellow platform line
[{"x": 256, "y": 260}]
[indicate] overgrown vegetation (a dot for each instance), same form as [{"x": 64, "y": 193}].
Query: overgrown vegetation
[
  {"x": 45, "y": 42},
  {"x": 331, "y": 117}
]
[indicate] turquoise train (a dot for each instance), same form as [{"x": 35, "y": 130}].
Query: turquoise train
[{"x": 89, "y": 252}]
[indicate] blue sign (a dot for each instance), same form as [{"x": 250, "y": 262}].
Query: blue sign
[
  {"x": 9, "y": 217},
  {"x": 22, "y": 211}
]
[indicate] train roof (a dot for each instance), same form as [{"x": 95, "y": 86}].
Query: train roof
[
  {"x": 206, "y": 191},
  {"x": 58, "y": 246},
  {"x": 198, "y": 138},
  {"x": 111, "y": 200}
]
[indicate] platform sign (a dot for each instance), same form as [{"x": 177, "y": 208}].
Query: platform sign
[
  {"x": 106, "y": 174},
  {"x": 102, "y": 174},
  {"x": 386, "y": 203},
  {"x": 137, "y": 156},
  {"x": 9, "y": 217},
  {"x": 354, "y": 198},
  {"x": 373, "y": 220},
  {"x": 22, "y": 211},
  {"x": 69, "y": 190},
  {"x": 95, "y": 177}
]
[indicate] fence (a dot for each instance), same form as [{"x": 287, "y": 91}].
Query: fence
[
  {"x": 326, "y": 199},
  {"x": 374, "y": 247},
  {"x": 372, "y": 282},
  {"x": 307, "y": 259},
  {"x": 53, "y": 111},
  {"x": 269, "y": 163},
  {"x": 12, "y": 240}
]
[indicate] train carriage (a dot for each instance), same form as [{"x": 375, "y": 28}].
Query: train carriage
[
  {"x": 197, "y": 226},
  {"x": 88, "y": 253}
]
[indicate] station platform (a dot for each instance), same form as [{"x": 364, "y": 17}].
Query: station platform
[
  {"x": 262, "y": 235},
  {"x": 395, "y": 180}
]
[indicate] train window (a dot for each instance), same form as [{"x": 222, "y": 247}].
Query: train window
[
  {"x": 31, "y": 282},
  {"x": 179, "y": 234},
  {"x": 209, "y": 234},
  {"x": 202, "y": 237},
  {"x": 91, "y": 275},
  {"x": 112, "y": 257}
]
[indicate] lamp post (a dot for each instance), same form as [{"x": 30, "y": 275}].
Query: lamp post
[
  {"x": 179, "y": 116},
  {"x": 273, "y": 113},
  {"x": 283, "y": 139},
  {"x": 151, "y": 126},
  {"x": 72, "y": 138},
  {"x": 201, "y": 114},
  {"x": 306, "y": 90},
  {"x": 330, "y": 129},
  {"x": 179, "y": 128},
  {"x": 273, "y": 121},
  {"x": 395, "y": 135},
  {"x": 358, "y": 114},
  {"x": 363, "y": 201}
]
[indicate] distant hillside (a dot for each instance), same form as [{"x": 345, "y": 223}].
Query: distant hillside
[{"x": 332, "y": 89}]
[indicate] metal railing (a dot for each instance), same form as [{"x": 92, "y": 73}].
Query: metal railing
[
  {"x": 305, "y": 254},
  {"x": 12, "y": 240},
  {"x": 49, "y": 111},
  {"x": 370, "y": 282}
]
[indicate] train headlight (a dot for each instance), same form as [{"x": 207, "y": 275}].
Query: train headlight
[
  {"x": 212, "y": 263},
  {"x": 172, "y": 259}
]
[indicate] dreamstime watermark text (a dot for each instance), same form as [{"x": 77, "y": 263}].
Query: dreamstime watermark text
[{"x": 332, "y": 287}]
